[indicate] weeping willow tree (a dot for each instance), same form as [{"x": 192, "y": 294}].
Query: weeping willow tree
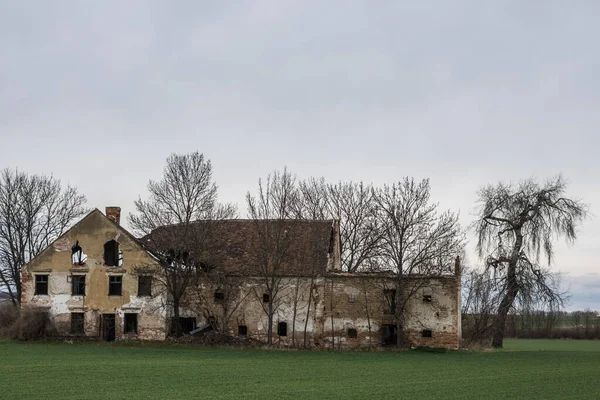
[{"x": 517, "y": 224}]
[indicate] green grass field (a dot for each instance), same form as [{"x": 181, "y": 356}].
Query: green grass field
[{"x": 525, "y": 369}]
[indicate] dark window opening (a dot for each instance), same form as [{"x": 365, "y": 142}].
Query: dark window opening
[
  {"x": 352, "y": 333},
  {"x": 187, "y": 324},
  {"x": 390, "y": 299},
  {"x": 242, "y": 330},
  {"x": 108, "y": 327},
  {"x": 427, "y": 298},
  {"x": 282, "y": 329},
  {"x": 111, "y": 253},
  {"x": 115, "y": 283},
  {"x": 131, "y": 323},
  {"x": 426, "y": 333},
  {"x": 78, "y": 285},
  {"x": 77, "y": 323},
  {"x": 78, "y": 257},
  {"x": 389, "y": 335},
  {"x": 41, "y": 284},
  {"x": 266, "y": 298},
  {"x": 219, "y": 296},
  {"x": 145, "y": 286}
]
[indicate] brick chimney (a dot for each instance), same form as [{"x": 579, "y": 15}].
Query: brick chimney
[
  {"x": 114, "y": 213},
  {"x": 457, "y": 267}
]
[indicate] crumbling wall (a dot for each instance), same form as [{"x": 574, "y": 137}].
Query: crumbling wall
[
  {"x": 92, "y": 233},
  {"x": 357, "y": 313}
]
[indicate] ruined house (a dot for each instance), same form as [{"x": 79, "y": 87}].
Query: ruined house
[{"x": 88, "y": 284}]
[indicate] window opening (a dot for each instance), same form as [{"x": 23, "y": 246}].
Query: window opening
[
  {"x": 115, "y": 284},
  {"x": 427, "y": 298},
  {"x": 352, "y": 333},
  {"x": 242, "y": 330},
  {"x": 112, "y": 254},
  {"x": 187, "y": 324},
  {"x": 41, "y": 284},
  {"x": 390, "y": 297},
  {"x": 282, "y": 329},
  {"x": 131, "y": 323},
  {"x": 219, "y": 296},
  {"x": 426, "y": 333},
  {"x": 78, "y": 285},
  {"x": 145, "y": 286},
  {"x": 266, "y": 297},
  {"x": 77, "y": 323},
  {"x": 78, "y": 257}
]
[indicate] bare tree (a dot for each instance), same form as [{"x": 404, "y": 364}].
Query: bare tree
[
  {"x": 516, "y": 224},
  {"x": 479, "y": 304},
  {"x": 416, "y": 241},
  {"x": 269, "y": 209},
  {"x": 178, "y": 222},
  {"x": 353, "y": 205},
  {"x": 34, "y": 211}
]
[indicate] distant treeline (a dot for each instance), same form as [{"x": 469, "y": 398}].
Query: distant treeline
[{"x": 536, "y": 325}]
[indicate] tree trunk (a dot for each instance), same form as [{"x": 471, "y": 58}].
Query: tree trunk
[
  {"x": 511, "y": 293},
  {"x": 270, "y": 323},
  {"x": 295, "y": 312},
  {"x": 310, "y": 293},
  {"x": 176, "y": 317},
  {"x": 399, "y": 314},
  {"x": 332, "y": 324},
  {"x": 500, "y": 320}
]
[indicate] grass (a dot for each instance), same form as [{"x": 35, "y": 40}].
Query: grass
[{"x": 525, "y": 369}]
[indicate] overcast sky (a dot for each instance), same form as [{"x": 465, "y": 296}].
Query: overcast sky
[{"x": 464, "y": 93}]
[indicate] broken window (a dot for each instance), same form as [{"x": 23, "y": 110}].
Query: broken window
[
  {"x": 77, "y": 323},
  {"x": 282, "y": 329},
  {"x": 426, "y": 333},
  {"x": 41, "y": 284},
  {"x": 115, "y": 284},
  {"x": 266, "y": 297},
  {"x": 352, "y": 298},
  {"x": 112, "y": 255},
  {"x": 242, "y": 330},
  {"x": 131, "y": 323},
  {"x": 78, "y": 257},
  {"x": 219, "y": 296},
  {"x": 78, "y": 285},
  {"x": 352, "y": 333},
  {"x": 390, "y": 300},
  {"x": 427, "y": 292},
  {"x": 145, "y": 286}
]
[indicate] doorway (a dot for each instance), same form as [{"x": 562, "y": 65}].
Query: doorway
[
  {"x": 389, "y": 335},
  {"x": 108, "y": 327}
]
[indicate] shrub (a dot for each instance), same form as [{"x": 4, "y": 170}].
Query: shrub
[
  {"x": 29, "y": 325},
  {"x": 8, "y": 315}
]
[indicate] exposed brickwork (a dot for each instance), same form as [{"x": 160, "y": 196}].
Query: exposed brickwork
[{"x": 114, "y": 214}]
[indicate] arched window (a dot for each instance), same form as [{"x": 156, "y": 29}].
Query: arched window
[
  {"x": 78, "y": 257},
  {"x": 282, "y": 329},
  {"x": 111, "y": 254}
]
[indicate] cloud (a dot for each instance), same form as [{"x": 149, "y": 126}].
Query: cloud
[{"x": 584, "y": 291}]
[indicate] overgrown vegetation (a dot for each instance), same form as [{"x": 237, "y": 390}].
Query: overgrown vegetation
[{"x": 25, "y": 325}]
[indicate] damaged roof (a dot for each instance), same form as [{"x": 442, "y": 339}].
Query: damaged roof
[{"x": 243, "y": 246}]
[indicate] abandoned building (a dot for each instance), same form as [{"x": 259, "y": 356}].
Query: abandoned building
[{"x": 88, "y": 282}]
